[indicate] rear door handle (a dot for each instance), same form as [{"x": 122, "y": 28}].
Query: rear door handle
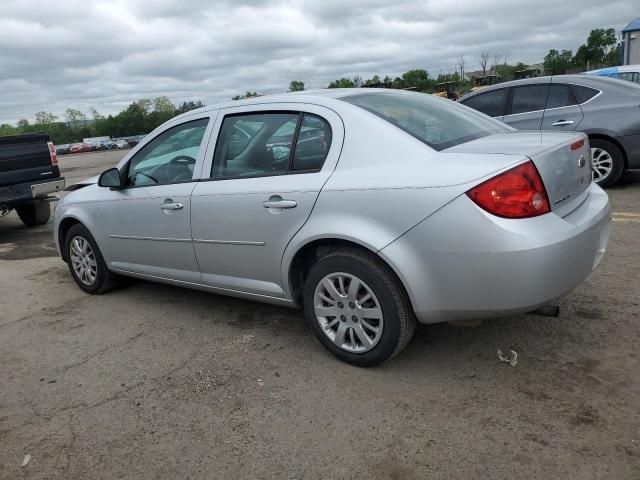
[
  {"x": 172, "y": 206},
  {"x": 562, "y": 123},
  {"x": 280, "y": 204}
]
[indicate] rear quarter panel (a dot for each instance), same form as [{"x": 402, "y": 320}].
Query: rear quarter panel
[{"x": 386, "y": 181}]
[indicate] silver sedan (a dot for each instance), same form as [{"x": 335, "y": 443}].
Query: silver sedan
[{"x": 371, "y": 209}]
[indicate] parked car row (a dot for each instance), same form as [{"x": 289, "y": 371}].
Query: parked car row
[{"x": 93, "y": 146}]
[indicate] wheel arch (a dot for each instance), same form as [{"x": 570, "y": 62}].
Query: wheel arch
[
  {"x": 63, "y": 229},
  {"x": 70, "y": 219},
  {"x": 608, "y": 138},
  {"x": 310, "y": 252}
]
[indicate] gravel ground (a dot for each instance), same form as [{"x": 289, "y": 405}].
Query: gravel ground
[{"x": 153, "y": 381}]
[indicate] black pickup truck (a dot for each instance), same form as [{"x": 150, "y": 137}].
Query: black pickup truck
[{"x": 28, "y": 174}]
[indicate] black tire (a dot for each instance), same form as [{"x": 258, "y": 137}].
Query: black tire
[
  {"x": 616, "y": 156},
  {"x": 36, "y": 213},
  {"x": 104, "y": 279},
  {"x": 399, "y": 320}
]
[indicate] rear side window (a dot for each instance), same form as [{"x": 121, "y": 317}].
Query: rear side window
[
  {"x": 255, "y": 144},
  {"x": 582, "y": 93},
  {"x": 270, "y": 143},
  {"x": 560, "y": 96},
  {"x": 312, "y": 144},
  {"x": 490, "y": 103},
  {"x": 438, "y": 123},
  {"x": 529, "y": 98}
]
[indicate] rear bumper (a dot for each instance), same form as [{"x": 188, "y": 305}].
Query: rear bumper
[
  {"x": 464, "y": 263},
  {"x": 631, "y": 145},
  {"x": 25, "y": 192}
]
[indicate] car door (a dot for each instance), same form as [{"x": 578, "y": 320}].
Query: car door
[
  {"x": 146, "y": 224},
  {"x": 562, "y": 111},
  {"x": 526, "y": 104},
  {"x": 258, "y": 198}
]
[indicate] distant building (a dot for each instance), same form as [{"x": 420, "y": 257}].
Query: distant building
[{"x": 631, "y": 43}]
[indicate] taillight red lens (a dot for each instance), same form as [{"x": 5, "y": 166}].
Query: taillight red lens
[
  {"x": 53, "y": 154},
  {"x": 516, "y": 193}
]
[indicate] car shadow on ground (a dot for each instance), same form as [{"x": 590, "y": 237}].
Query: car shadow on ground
[
  {"x": 628, "y": 177},
  {"x": 438, "y": 347}
]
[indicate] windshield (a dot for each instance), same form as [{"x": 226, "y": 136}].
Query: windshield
[{"x": 438, "y": 123}]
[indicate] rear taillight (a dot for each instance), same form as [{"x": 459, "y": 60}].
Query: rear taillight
[
  {"x": 516, "y": 193},
  {"x": 53, "y": 154}
]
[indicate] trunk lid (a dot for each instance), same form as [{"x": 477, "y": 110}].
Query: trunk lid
[{"x": 562, "y": 159}]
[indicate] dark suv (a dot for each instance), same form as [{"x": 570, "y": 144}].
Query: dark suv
[{"x": 607, "y": 110}]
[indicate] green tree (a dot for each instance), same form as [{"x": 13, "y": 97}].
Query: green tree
[
  {"x": 95, "y": 114},
  {"x": 163, "y": 105},
  {"x": 296, "y": 86},
  {"x": 188, "y": 106},
  {"x": 45, "y": 119},
  {"x": 23, "y": 124},
  {"x": 417, "y": 79},
  {"x": 556, "y": 63},
  {"x": 342, "y": 83},
  {"x": 595, "y": 53},
  {"x": 74, "y": 116},
  {"x": 246, "y": 95}
]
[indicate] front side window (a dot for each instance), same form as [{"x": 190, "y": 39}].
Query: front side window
[
  {"x": 530, "y": 98},
  {"x": 438, "y": 123},
  {"x": 560, "y": 96},
  {"x": 168, "y": 158},
  {"x": 491, "y": 103}
]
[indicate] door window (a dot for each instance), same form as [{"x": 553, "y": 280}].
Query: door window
[
  {"x": 490, "y": 103},
  {"x": 260, "y": 144},
  {"x": 168, "y": 158},
  {"x": 312, "y": 144},
  {"x": 583, "y": 94},
  {"x": 529, "y": 98},
  {"x": 560, "y": 96},
  {"x": 262, "y": 148}
]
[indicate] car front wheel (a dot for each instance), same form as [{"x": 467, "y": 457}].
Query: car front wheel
[
  {"x": 86, "y": 264},
  {"x": 357, "y": 307}
]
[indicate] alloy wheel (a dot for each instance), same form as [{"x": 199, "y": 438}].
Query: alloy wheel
[
  {"x": 348, "y": 312},
  {"x": 83, "y": 260},
  {"x": 602, "y": 164}
]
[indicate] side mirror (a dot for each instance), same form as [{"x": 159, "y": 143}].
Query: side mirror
[{"x": 110, "y": 178}]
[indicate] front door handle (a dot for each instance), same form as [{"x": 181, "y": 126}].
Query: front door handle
[
  {"x": 562, "y": 123},
  {"x": 172, "y": 206},
  {"x": 278, "y": 202}
]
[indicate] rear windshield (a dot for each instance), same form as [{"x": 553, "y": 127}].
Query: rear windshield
[{"x": 438, "y": 123}]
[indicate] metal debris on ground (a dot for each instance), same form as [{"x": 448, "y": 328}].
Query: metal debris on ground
[
  {"x": 511, "y": 359},
  {"x": 26, "y": 460}
]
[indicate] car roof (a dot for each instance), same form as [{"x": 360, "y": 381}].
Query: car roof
[
  {"x": 324, "y": 97},
  {"x": 593, "y": 81}
]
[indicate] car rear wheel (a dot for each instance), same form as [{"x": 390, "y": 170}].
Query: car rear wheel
[
  {"x": 86, "y": 264},
  {"x": 36, "y": 213},
  {"x": 608, "y": 162},
  {"x": 357, "y": 308}
]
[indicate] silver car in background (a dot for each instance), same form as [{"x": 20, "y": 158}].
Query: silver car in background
[
  {"x": 371, "y": 209},
  {"x": 606, "y": 109}
]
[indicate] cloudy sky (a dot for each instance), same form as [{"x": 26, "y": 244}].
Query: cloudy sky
[{"x": 107, "y": 53}]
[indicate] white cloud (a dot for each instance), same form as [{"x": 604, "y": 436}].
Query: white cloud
[{"x": 76, "y": 53}]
